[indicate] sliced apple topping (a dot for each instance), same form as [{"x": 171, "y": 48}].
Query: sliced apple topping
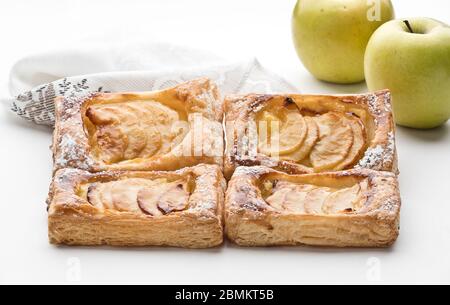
[
  {"x": 315, "y": 200},
  {"x": 93, "y": 195},
  {"x": 112, "y": 143},
  {"x": 277, "y": 199},
  {"x": 106, "y": 195},
  {"x": 99, "y": 195},
  {"x": 296, "y": 199},
  {"x": 343, "y": 201},
  {"x": 102, "y": 115},
  {"x": 281, "y": 132},
  {"x": 147, "y": 199},
  {"x": 137, "y": 140},
  {"x": 362, "y": 195},
  {"x": 310, "y": 140},
  {"x": 163, "y": 200},
  {"x": 154, "y": 142},
  {"x": 131, "y": 130},
  {"x": 336, "y": 139},
  {"x": 124, "y": 194},
  {"x": 290, "y": 197},
  {"x": 359, "y": 142},
  {"x": 138, "y": 195}
]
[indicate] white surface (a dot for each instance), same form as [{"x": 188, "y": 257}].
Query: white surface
[{"x": 232, "y": 27}]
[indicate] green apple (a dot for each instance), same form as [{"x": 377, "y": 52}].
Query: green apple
[
  {"x": 331, "y": 36},
  {"x": 412, "y": 59}
]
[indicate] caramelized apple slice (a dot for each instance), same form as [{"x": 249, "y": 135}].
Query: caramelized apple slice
[
  {"x": 106, "y": 195},
  {"x": 315, "y": 200},
  {"x": 342, "y": 201},
  {"x": 99, "y": 195},
  {"x": 289, "y": 196},
  {"x": 102, "y": 115},
  {"x": 174, "y": 199},
  {"x": 153, "y": 143},
  {"x": 359, "y": 142},
  {"x": 362, "y": 195},
  {"x": 277, "y": 199},
  {"x": 93, "y": 195},
  {"x": 290, "y": 135},
  {"x": 163, "y": 199},
  {"x": 310, "y": 140},
  {"x": 125, "y": 192},
  {"x": 112, "y": 142},
  {"x": 293, "y": 132},
  {"x": 336, "y": 139},
  {"x": 137, "y": 141},
  {"x": 147, "y": 199},
  {"x": 295, "y": 200}
]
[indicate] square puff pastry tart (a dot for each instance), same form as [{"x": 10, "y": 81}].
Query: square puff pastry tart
[
  {"x": 130, "y": 208},
  {"x": 161, "y": 130},
  {"x": 301, "y": 134},
  {"x": 357, "y": 208}
]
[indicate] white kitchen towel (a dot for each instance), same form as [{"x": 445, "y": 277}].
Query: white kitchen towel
[{"x": 36, "y": 80}]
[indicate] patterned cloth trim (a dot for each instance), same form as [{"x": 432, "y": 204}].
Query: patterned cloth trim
[{"x": 37, "y": 104}]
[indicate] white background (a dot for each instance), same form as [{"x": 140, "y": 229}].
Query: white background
[{"x": 234, "y": 27}]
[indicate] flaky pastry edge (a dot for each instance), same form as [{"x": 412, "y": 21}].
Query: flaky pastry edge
[
  {"x": 72, "y": 220},
  {"x": 71, "y": 148},
  {"x": 380, "y": 155},
  {"x": 250, "y": 221}
]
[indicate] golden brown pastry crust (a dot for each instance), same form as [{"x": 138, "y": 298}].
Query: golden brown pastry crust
[
  {"x": 374, "y": 109},
  {"x": 251, "y": 221},
  {"x": 74, "y": 146},
  {"x": 73, "y": 220}
]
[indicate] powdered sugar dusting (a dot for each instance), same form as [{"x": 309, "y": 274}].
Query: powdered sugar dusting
[
  {"x": 379, "y": 157},
  {"x": 372, "y": 102},
  {"x": 390, "y": 149},
  {"x": 208, "y": 200},
  {"x": 71, "y": 154},
  {"x": 208, "y": 97},
  {"x": 67, "y": 174},
  {"x": 387, "y": 102},
  {"x": 390, "y": 205},
  {"x": 373, "y": 158},
  {"x": 253, "y": 171}
]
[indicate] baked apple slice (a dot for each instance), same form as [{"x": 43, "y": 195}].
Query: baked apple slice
[
  {"x": 295, "y": 200},
  {"x": 276, "y": 200},
  {"x": 93, "y": 195},
  {"x": 174, "y": 199},
  {"x": 103, "y": 114},
  {"x": 99, "y": 195},
  {"x": 124, "y": 194},
  {"x": 311, "y": 139},
  {"x": 359, "y": 142},
  {"x": 336, "y": 139},
  {"x": 137, "y": 141},
  {"x": 286, "y": 131},
  {"x": 315, "y": 200},
  {"x": 106, "y": 195},
  {"x": 362, "y": 195},
  {"x": 343, "y": 201},
  {"x": 290, "y": 197},
  {"x": 164, "y": 199},
  {"x": 112, "y": 143},
  {"x": 147, "y": 199},
  {"x": 154, "y": 142}
]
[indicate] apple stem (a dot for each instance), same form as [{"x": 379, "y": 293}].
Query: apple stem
[{"x": 409, "y": 26}]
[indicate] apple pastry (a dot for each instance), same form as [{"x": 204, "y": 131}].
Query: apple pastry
[
  {"x": 356, "y": 208},
  {"x": 132, "y": 208},
  {"x": 310, "y": 133},
  {"x": 161, "y": 130}
]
